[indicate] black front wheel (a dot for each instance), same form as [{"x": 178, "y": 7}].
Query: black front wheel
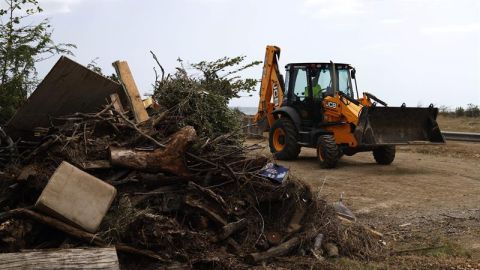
[
  {"x": 328, "y": 152},
  {"x": 283, "y": 139},
  {"x": 384, "y": 155}
]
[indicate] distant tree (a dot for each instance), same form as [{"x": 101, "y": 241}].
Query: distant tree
[
  {"x": 444, "y": 109},
  {"x": 23, "y": 43},
  {"x": 472, "y": 110},
  {"x": 221, "y": 76},
  {"x": 459, "y": 111}
]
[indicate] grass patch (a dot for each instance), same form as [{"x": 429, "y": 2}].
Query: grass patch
[{"x": 440, "y": 249}]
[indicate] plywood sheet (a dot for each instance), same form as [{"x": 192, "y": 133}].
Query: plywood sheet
[{"x": 68, "y": 88}]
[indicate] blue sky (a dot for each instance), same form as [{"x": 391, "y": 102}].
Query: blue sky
[{"x": 413, "y": 51}]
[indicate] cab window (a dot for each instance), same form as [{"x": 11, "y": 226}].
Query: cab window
[
  {"x": 344, "y": 82},
  {"x": 321, "y": 82},
  {"x": 300, "y": 87}
]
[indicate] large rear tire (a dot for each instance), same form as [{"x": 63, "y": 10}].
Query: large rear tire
[
  {"x": 283, "y": 139},
  {"x": 384, "y": 155},
  {"x": 328, "y": 152}
]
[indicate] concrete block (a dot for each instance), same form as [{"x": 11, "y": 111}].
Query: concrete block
[{"x": 76, "y": 197}]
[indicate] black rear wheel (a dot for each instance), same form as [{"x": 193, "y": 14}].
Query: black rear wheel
[
  {"x": 328, "y": 152},
  {"x": 384, "y": 155},
  {"x": 283, "y": 139}
]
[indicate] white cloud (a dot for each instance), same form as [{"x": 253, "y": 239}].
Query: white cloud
[
  {"x": 391, "y": 21},
  {"x": 63, "y": 6},
  {"x": 381, "y": 47},
  {"x": 333, "y": 8},
  {"x": 58, "y": 6},
  {"x": 211, "y": 1},
  {"x": 460, "y": 28}
]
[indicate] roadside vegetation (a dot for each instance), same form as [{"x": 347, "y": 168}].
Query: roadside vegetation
[{"x": 471, "y": 110}]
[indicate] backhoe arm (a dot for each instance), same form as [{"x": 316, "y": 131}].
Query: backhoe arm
[{"x": 271, "y": 88}]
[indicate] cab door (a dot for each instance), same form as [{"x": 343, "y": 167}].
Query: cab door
[
  {"x": 321, "y": 84},
  {"x": 300, "y": 96}
]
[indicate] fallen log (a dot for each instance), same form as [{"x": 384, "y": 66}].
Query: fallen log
[
  {"x": 279, "y": 250},
  {"x": 169, "y": 159}
]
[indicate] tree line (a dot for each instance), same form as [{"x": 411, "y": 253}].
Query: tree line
[{"x": 471, "y": 110}]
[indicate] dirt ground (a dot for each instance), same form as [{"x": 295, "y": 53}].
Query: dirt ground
[{"x": 427, "y": 203}]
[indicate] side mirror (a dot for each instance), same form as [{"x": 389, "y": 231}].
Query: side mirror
[{"x": 352, "y": 73}]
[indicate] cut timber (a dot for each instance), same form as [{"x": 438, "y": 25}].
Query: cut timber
[
  {"x": 77, "y": 197},
  {"x": 169, "y": 159},
  {"x": 279, "y": 250},
  {"x": 77, "y": 258},
  {"x": 136, "y": 103}
]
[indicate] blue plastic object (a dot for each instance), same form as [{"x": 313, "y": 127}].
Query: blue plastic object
[{"x": 274, "y": 172}]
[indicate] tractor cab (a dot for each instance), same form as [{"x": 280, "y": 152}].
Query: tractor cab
[
  {"x": 317, "y": 80},
  {"x": 308, "y": 84}
]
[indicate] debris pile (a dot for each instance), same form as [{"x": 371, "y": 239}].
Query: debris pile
[{"x": 182, "y": 200}]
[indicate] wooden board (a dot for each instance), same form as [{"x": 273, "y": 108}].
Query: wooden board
[
  {"x": 68, "y": 88},
  {"x": 77, "y": 258},
  {"x": 131, "y": 90}
]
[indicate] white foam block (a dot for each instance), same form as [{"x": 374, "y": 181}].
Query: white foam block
[{"x": 76, "y": 197}]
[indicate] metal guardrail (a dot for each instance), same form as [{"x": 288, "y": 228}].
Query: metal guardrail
[{"x": 461, "y": 136}]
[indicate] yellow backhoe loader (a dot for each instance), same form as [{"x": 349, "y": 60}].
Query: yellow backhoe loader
[{"x": 315, "y": 106}]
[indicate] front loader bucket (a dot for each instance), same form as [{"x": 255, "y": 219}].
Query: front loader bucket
[{"x": 398, "y": 125}]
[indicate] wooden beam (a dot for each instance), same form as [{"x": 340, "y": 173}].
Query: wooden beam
[
  {"x": 128, "y": 83},
  {"x": 76, "y": 258}
]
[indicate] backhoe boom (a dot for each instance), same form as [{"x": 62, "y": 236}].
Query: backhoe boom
[{"x": 271, "y": 88}]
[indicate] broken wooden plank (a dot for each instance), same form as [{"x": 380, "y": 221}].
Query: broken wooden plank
[
  {"x": 75, "y": 258},
  {"x": 131, "y": 90},
  {"x": 77, "y": 197}
]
